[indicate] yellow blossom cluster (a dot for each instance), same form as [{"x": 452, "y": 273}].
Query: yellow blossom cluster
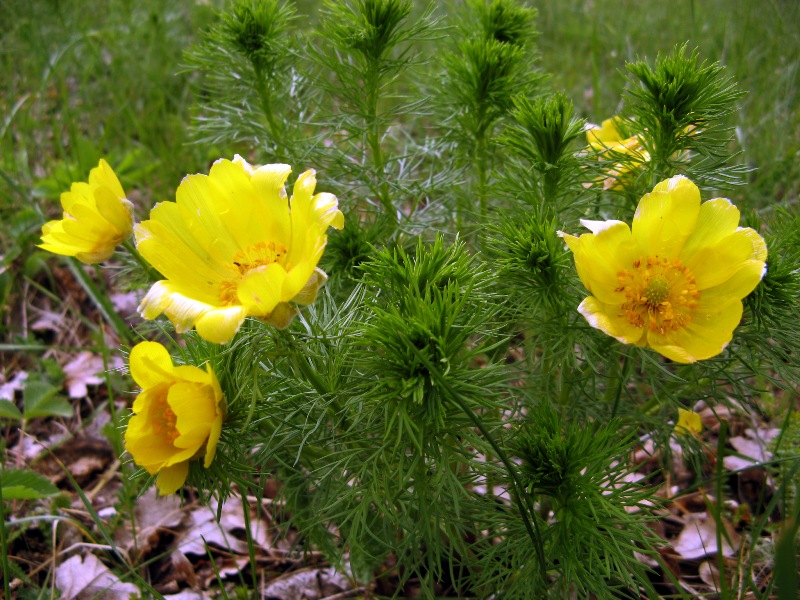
[{"x": 231, "y": 246}]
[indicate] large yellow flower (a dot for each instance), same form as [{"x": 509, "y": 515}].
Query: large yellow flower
[
  {"x": 97, "y": 218},
  {"x": 675, "y": 280},
  {"x": 232, "y": 246},
  {"x": 177, "y": 415},
  {"x": 609, "y": 141}
]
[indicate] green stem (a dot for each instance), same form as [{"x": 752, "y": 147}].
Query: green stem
[
  {"x": 619, "y": 374},
  {"x": 264, "y": 95},
  {"x": 526, "y": 509},
  {"x": 373, "y": 139},
  {"x": 481, "y": 160}
]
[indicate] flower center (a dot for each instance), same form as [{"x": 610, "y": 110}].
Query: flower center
[
  {"x": 165, "y": 421},
  {"x": 257, "y": 255},
  {"x": 659, "y": 293}
]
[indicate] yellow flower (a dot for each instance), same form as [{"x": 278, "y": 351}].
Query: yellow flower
[
  {"x": 675, "y": 280},
  {"x": 232, "y": 246},
  {"x": 97, "y": 218},
  {"x": 608, "y": 140},
  {"x": 689, "y": 422},
  {"x": 178, "y": 413}
]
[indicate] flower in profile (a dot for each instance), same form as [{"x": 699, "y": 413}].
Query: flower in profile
[
  {"x": 675, "y": 280},
  {"x": 97, "y": 218},
  {"x": 611, "y": 144},
  {"x": 233, "y": 246},
  {"x": 689, "y": 422},
  {"x": 177, "y": 416}
]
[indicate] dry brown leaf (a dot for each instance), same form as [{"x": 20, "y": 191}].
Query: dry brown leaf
[
  {"x": 306, "y": 584},
  {"x": 81, "y": 372},
  {"x": 153, "y": 516},
  {"x": 204, "y": 526},
  {"x": 709, "y": 573},
  {"x": 752, "y": 448},
  {"x": 699, "y": 538},
  {"x": 88, "y": 578}
]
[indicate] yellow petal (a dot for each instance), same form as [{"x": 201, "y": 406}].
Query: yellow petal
[
  {"x": 103, "y": 175},
  {"x": 181, "y": 310},
  {"x": 115, "y": 210},
  {"x": 239, "y": 206},
  {"x": 308, "y": 294},
  {"x": 260, "y": 289},
  {"x": 213, "y": 439},
  {"x": 150, "y": 364},
  {"x": 689, "y": 422},
  {"x": 195, "y": 408},
  {"x": 607, "y": 318},
  {"x": 221, "y": 324},
  {"x": 601, "y": 256},
  {"x": 325, "y": 208},
  {"x": 274, "y": 204},
  {"x": 171, "y": 479},
  {"x": 709, "y": 332},
  {"x": 713, "y": 265},
  {"x": 607, "y": 132},
  {"x": 666, "y": 217},
  {"x": 716, "y": 220}
]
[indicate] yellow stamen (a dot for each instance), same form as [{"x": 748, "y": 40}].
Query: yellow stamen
[
  {"x": 257, "y": 255},
  {"x": 165, "y": 421},
  {"x": 659, "y": 293}
]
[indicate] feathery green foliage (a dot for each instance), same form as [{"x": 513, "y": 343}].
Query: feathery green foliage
[{"x": 443, "y": 416}]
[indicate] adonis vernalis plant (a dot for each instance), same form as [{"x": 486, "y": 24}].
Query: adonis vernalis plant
[
  {"x": 233, "y": 246},
  {"x": 441, "y": 416},
  {"x": 97, "y": 218},
  {"x": 675, "y": 279}
]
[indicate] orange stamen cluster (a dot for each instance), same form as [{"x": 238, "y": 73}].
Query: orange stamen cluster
[
  {"x": 660, "y": 293},
  {"x": 258, "y": 255},
  {"x": 165, "y": 422}
]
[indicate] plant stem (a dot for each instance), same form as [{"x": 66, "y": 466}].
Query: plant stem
[
  {"x": 526, "y": 508},
  {"x": 373, "y": 138},
  {"x": 275, "y": 128}
]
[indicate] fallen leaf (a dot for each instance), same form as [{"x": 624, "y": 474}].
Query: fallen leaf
[
  {"x": 752, "y": 449},
  {"x": 709, "y": 574},
  {"x": 306, "y": 584},
  {"x": 153, "y": 515},
  {"x": 204, "y": 526},
  {"x": 48, "y": 321},
  {"x": 81, "y": 372},
  {"x": 699, "y": 538},
  {"x": 126, "y": 303},
  {"x": 188, "y": 595},
  {"x": 16, "y": 384},
  {"x": 88, "y": 578}
]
